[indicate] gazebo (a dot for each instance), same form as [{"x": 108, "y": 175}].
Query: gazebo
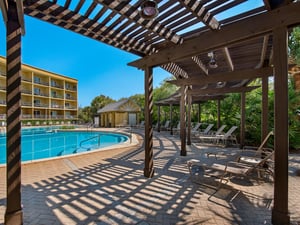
[{"x": 210, "y": 47}]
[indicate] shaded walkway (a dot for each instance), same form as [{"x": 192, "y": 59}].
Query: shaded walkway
[{"x": 102, "y": 188}]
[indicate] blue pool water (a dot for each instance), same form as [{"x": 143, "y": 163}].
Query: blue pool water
[{"x": 41, "y": 143}]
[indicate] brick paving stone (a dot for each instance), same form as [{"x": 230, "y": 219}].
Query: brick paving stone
[{"x": 107, "y": 188}]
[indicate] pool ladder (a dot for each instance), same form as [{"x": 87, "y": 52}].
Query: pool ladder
[{"x": 98, "y": 136}]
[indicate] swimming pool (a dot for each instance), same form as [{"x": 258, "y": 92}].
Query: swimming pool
[{"x": 42, "y": 143}]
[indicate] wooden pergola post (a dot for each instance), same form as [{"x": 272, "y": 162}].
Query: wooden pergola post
[
  {"x": 13, "y": 214},
  {"x": 158, "y": 118},
  {"x": 183, "y": 120},
  {"x": 171, "y": 119},
  {"x": 218, "y": 111},
  {"x": 265, "y": 110},
  {"x": 280, "y": 213},
  {"x": 199, "y": 113},
  {"x": 243, "y": 119},
  {"x": 148, "y": 169},
  {"x": 189, "y": 120}
]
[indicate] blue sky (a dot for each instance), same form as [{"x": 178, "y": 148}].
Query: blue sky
[{"x": 99, "y": 68}]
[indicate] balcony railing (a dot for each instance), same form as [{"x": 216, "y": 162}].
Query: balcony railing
[
  {"x": 57, "y": 106},
  {"x": 26, "y": 91},
  {"x": 71, "y": 89},
  {"x": 26, "y": 103},
  {"x": 40, "y": 105},
  {"x": 70, "y": 98},
  {"x": 26, "y": 116},
  {"x": 41, "y": 82},
  {"x": 41, "y": 94},
  {"x": 26, "y": 79},
  {"x": 57, "y": 96},
  {"x": 70, "y": 107},
  {"x": 57, "y": 86}
]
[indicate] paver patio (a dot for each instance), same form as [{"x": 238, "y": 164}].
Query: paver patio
[{"x": 108, "y": 187}]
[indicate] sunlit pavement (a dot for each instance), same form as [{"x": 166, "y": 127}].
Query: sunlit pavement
[{"x": 109, "y": 187}]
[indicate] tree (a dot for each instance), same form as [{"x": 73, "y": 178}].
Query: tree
[
  {"x": 294, "y": 45},
  {"x": 84, "y": 114},
  {"x": 99, "y": 102}
]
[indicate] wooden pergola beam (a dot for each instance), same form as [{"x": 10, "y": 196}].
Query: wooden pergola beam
[
  {"x": 229, "y": 34},
  {"x": 228, "y": 58},
  {"x": 224, "y": 77},
  {"x": 132, "y": 13},
  {"x": 198, "y": 9},
  {"x": 225, "y": 90},
  {"x": 201, "y": 65}
]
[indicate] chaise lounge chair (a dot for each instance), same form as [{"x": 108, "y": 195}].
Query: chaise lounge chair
[
  {"x": 232, "y": 168},
  {"x": 206, "y": 130},
  {"x": 221, "y": 138}
]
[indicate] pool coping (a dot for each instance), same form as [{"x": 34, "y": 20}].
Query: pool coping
[{"x": 131, "y": 142}]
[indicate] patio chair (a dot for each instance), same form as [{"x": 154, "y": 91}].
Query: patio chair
[
  {"x": 224, "y": 172},
  {"x": 177, "y": 128},
  {"x": 223, "y": 138},
  {"x": 195, "y": 129},
  {"x": 166, "y": 126},
  {"x": 206, "y": 130},
  {"x": 215, "y": 133}
]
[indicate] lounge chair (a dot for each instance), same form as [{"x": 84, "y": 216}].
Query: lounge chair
[
  {"x": 218, "y": 132},
  {"x": 166, "y": 126},
  {"x": 195, "y": 129},
  {"x": 206, "y": 130},
  {"x": 221, "y": 138},
  {"x": 232, "y": 168},
  {"x": 177, "y": 128}
]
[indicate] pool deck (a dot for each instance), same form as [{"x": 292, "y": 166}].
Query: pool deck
[{"x": 108, "y": 187}]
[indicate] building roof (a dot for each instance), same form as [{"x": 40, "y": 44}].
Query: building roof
[{"x": 125, "y": 105}]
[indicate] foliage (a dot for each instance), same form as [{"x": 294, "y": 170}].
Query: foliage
[
  {"x": 84, "y": 115},
  {"x": 294, "y": 45}
]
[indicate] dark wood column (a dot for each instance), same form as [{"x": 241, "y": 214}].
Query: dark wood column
[
  {"x": 265, "y": 110},
  {"x": 13, "y": 214},
  {"x": 199, "y": 113},
  {"x": 158, "y": 119},
  {"x": 243, "y": 119},
  {"x": 280, "y": 214},
  {"x": 148, "y": 169},
  {"x": 189, "y": 119},
  {"x": 171, "y": 120},
  {"x": 183, "y": 120},
  {"x": 218, "y": 109}
]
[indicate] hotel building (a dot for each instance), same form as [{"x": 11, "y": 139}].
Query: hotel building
[{"x": 46, "y": 97}]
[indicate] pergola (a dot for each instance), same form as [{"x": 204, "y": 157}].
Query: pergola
[{"x": 183, "y": 39}]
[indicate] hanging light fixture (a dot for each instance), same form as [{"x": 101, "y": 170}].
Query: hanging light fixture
[
  {"x": 212, "y": 62},
  {"x": 149, "y": 9}
]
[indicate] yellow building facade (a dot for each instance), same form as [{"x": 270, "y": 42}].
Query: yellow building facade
[{"x": 46, "y": 97}]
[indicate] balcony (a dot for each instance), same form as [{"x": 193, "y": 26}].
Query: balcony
[
  {"x": 41, "y": 105},
  {"x": 26, "y": 79},
  {"x": 57, "y": 86},
  {"x": 41, "y": 94},
  {"x": 41, "y": 82},
  {"x": 26, "y": 104},
  {"x": 26, "y": 116},
  {"x": 57, "y": 96},
  {"x": 26, "y": 91},
  {"x": 56, "y": 106}
]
